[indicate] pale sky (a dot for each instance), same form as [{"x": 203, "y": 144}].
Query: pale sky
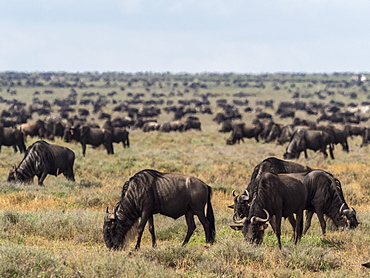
[{"x": 193, "y": 36}]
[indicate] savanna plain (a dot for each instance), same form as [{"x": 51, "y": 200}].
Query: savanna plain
[{"x": 56, "y": 230}]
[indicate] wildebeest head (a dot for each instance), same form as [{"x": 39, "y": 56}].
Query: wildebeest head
[
  {"x": 12, "y": 174},
  {"x": 350, "y": 217},
  {"x": 254, "y": 228},
  {"x": 290, "y": 155},
  {"x": 240, "y": 206},
  {"x": 109, "y": 229},
  {"x": 15, "y": 176}
]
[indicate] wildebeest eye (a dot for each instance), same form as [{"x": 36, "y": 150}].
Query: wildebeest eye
[{"x": 341, "y": 218}]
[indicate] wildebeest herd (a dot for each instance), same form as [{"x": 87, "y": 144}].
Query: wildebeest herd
[{"x": 277, "y": 189}]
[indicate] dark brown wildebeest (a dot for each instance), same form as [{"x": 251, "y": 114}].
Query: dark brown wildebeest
[
  {"x": 270, "y": 164},
  {"x": 303, "y": 139},
  {"x": 119, "y": 134},
  {"x": 12, "y": 137},
  {"x": 245, "y": 131},
  {"x": 325, "y": 197},
  {"x": 279, "y": 196},
  {"x": 149, "y": 192},
  {"x": 42, "y": 159},
  {"x": 337, "y": 136},
  {"x": 86, "y": 135}
]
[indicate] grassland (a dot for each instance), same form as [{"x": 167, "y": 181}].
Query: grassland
[{"x": 56, "y": 230}]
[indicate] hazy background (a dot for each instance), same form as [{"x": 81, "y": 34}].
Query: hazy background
[{"x": 243, "y": 36}]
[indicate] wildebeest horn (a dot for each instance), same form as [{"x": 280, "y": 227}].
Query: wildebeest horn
[
  {"x": 258, "y": 219},
  {"x": 107, "y": 211},
  {"x": 346, "y": 212},
  {"x": 241, "y": 221},
  {"x": 233, "y": 193},
  {"x": 247, "y": 193}
]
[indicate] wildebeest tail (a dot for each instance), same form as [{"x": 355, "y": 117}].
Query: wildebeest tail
[{"x": 211, "y": 217}]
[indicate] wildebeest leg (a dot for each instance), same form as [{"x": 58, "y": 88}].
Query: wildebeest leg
[
  {"x": 83, "y": 149},
  {"x": 189, "y": 216},
  {"x": 151, "y": 230},
  {"x": 140, "y": 229},
  {"x": 292, "y": 222},
  {"x": 205, "y": 223},
  {"x": 272, "y": 222},
  {"x": 305, "y": 154},
  {"x": 331, "y": 151},
  {"x": 41, "y": 178},
  {"x": 15, "y": 148},
  {"x": 278, "y": 229},
  {"x": 322, "y": 221},
  {"x": 309, "y": 214},
  {"x": 298, "y": 226},
  {"x": 323, "y": 150},
  {"x": 69, "y": 175}
]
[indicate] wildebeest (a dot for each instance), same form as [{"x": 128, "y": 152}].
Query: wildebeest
[
  {"x": 34, "y": 129},
  {"x": 245, "y": 131},
  {"x": 12, "y": 137},
  {"x": 270, "y": 164},
  {"x": 89, "y": 136},
  {"x": 42, "y": 159},
  {"x": 304, "y": 139},
  {"x": 149, "y": 192},
  {"x": 325, "y": 196},
  {"x": 278, "y": 196},
  {"x": 119, "y": 134}
]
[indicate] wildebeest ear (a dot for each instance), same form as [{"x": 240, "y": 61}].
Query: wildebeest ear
[{"x": 231, "y": 206}]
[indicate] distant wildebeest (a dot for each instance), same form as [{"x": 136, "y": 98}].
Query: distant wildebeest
[
  {"x": 86, "y": 135},
  {"x": 245, "y": 131},
  {"x": 12, "y": 137},
  {"x": 119, "y": 134},
  {"x": 42, "y": 159},
  {"x": 303, "y": 139},
  {"x": 172, "y": 126},
  {"x": 36, "y": 129},
  {"x": 150, "y": 126},
  {"x": 149, "y": 192}
]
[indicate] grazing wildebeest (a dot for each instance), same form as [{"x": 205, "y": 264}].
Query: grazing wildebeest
[
  {"x": 42, "y": 159},
  {"x": 270, "y": 164},
  {"x": 325, "y": 197},
  {"x": 89, "y": 136},
  {"x": 150, "y": 192},
  {"x": 304, "y": 139},
  {"x": 279, "y": 196},
  {"x": 12, "y": 137}
]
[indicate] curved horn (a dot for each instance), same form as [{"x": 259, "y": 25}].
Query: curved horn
[
  {"x": 258, "y": 219},
  {"x": 247, "y": 194},
  {"x": 233, "y": 193},
  {"x": 107, "y": 210},
  {"x": 241, "y": 221},
  {"x": 346, "y": 212}
]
